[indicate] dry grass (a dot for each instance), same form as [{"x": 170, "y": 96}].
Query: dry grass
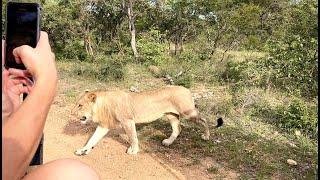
[{"x": 240, "y": 55}]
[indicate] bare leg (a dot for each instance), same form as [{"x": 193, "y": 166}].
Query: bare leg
[
  {"x": 130, "y": 128},
  {"x": 95, "y": 138},
  {"x": 63, "y": 169},
  {"x": 176, "y": 129}
]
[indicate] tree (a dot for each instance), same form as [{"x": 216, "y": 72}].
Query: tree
[{"x": 132, "y": 29}]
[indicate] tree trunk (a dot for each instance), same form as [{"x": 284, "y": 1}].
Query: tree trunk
[
  {"x": 86, "y": 29},
  {"x": 88, "y": 44},
  {"x": 178, "y": 43},
  {"x": 132, "y": 29}
]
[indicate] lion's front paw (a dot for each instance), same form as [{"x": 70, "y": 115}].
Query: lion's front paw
[
  {"x": 133, "y": 150},
  {"x": 82, "y": 151},
  {"x": 166, "y": 142},
  {"x": 205, "y": 137}
]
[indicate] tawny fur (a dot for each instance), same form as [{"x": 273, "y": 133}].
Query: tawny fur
[{"x": 112, "y": 108}]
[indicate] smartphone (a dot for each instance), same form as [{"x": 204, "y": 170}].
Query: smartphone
[{"x": 22, "y": 28}]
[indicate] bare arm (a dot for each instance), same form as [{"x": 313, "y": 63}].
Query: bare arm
[{"x": 21, "y": 132}]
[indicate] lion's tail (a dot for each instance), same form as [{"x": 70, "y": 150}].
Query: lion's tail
[{"x": 219, "y": 122}]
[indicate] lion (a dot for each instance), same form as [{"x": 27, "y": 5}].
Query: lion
[{"x": 111, "y": 109}]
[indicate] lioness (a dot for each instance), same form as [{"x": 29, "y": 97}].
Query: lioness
[{"x": 112, "y": 108}]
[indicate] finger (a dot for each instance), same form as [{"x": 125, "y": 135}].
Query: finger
[
  {"x": 5, "y": 73},
  {"x": 23, "y": 89},
  {"x": 43, "y": 41},
  {"x": 19, "y": 72},
  {"x": 23, "y": 52},
  {"x": 5, "y": 77},
  {"x": 21, "y": 80}
]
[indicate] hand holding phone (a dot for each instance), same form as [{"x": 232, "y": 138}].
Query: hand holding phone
[
  {"x": 26, "y": 47},
  {"x": 22, "y": 28},
  {"x": 39, "y": 61}
]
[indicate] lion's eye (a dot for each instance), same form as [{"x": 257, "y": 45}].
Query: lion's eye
[{"x": 80, "y": 105}]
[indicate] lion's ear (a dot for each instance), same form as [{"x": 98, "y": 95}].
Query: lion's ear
[
  {"x": 92, "y": 97},
  {"x": 87, "y": 90}
]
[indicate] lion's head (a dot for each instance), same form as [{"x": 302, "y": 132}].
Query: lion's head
[{"x": 83, "y": 109}]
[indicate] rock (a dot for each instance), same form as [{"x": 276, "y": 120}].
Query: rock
[
  {"x": 292, "y": 145},
  {"x": 196, "y": 96},
  {"x": 154, "y": 70},
  {"x": 292, "y": 162},
  {"x": 168, "y": 79},
  {"x": 134, "y": 89},
  {"x": 179, "y": 74},
  {"x": 297, "y": 133}
]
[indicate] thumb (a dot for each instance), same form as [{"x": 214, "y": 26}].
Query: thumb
[
  {"x": 43, "y": 41},
  {"x": 23, "y": 53}
]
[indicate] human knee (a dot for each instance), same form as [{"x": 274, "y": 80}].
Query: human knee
[
  {"x": 74, "y": 169},
  {"x": 63, "y": 169}
]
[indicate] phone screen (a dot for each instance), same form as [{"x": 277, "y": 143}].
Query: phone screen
[{"x": 22, "y": 28}]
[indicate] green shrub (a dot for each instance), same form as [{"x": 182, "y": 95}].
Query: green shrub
[
  {"x": 245, "y": 73},
  {"x": 298, "y": 115},
  {"x": 184, "y": 80},
  {"x": 107, "y": 70},
  {"x": 112, "y": 70},
  {"x": 188, "y": 56},
  {"x": 253, "y": 42},
  {"x": 293, "y": 59},
  {"x": 293, "y": 64},
  {"x": 73, "y": 49},
  {"x": 151, "y": 50}
]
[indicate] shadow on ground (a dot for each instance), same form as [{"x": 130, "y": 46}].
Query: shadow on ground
[
  {"x": 248, "y": 154},
  {"x": 74, "y": 127}
]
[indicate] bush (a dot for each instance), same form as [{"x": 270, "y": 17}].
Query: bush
[
  {"x": 112, "y": 70},
  {"x": 108, "y": 70},
  {"x": 73, "y": 49},
  {"x": 151, "y": 50},
  {"x": 293, "y": 59},
  {"x": 293, "y": 64},
  {"x": 298, "y": 115},
  {"x": 184, "y": 80},
  {"x": 245, "y": 73},
  {"x": 188, "y": 56},
  {"x": 252, "y": 42}
]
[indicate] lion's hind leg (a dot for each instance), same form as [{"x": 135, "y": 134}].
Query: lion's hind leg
[
  {"x": 204, "y": 123},
  {"x": 194, "y": 116},
  {"x": 176, "y": 129}
]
